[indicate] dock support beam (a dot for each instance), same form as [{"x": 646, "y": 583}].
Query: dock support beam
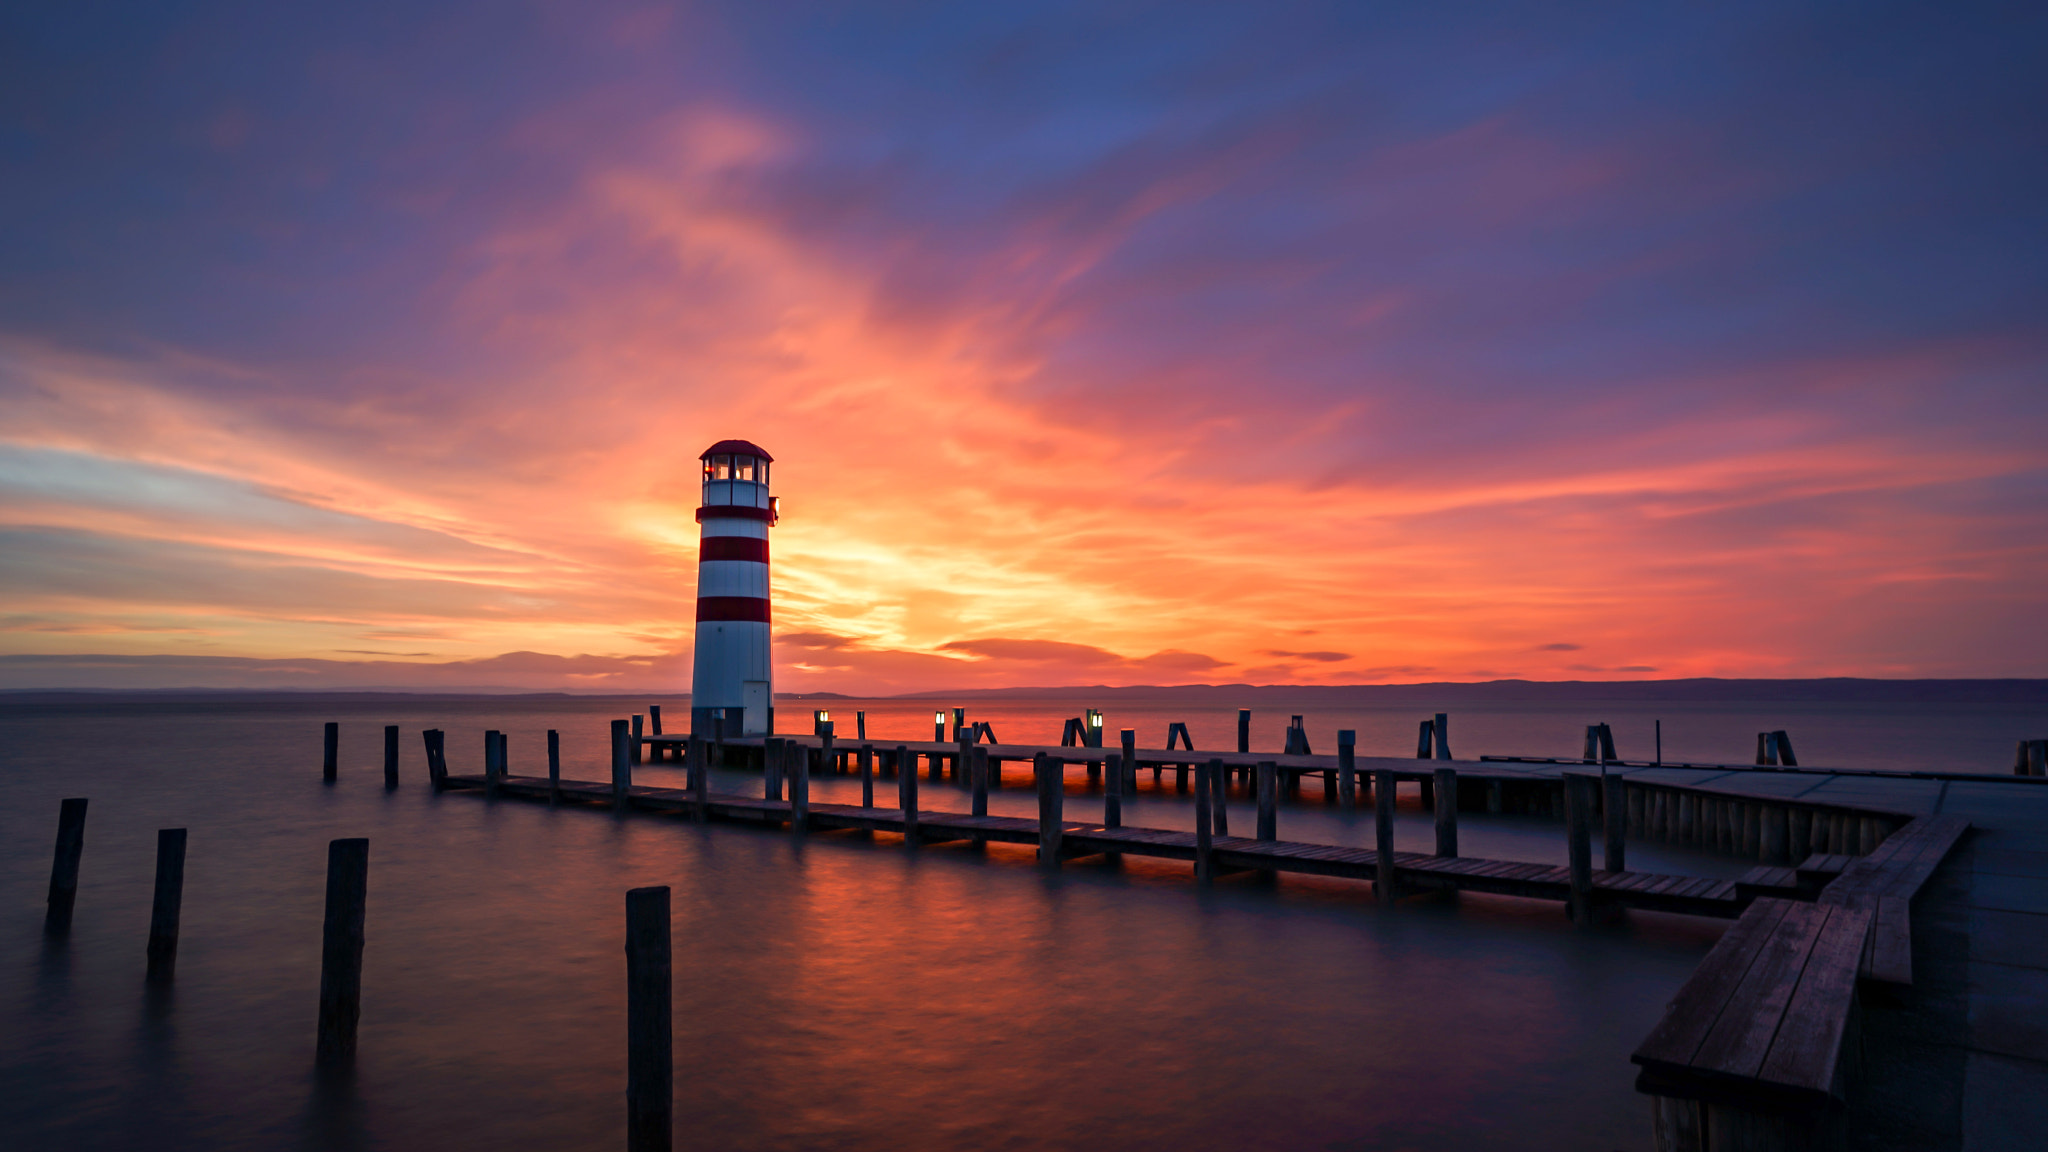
[
  {"x": 1244, "y": 732},
  {"x": 390, "y": 756},
  {"x": 1112, "y": 793},
  {"x": 650, "y": 1043},
  {"x": 977, "y": 772},
  {"x": 622, "y": 768},
  {"x": 906, "y": 791},
  {"x": 798, "y": 757},
  {"x": 1578, "y": 818},
  {"x": 1052, "y": 795},
  {"x": 1208, "y": 779},
  {"x": 1446, "y": 811},
  {"x": 1269, "y": 803},
  {"x": 164, "y": 909},
  {"x": 1614, "y": 808},
  {"x": 64, "y": 866},
  {"x": 866, "y": 762},
  {"x": 341, "y": 954},
  {"x": 1347, "y": 769},
  {"x": 1383, "y": 835}
]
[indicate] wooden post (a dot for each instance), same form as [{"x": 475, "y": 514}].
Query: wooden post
[
  {"x": 1347, "y": 769},
  {"x": 1614, "y": 809},
  {"x": 1425, "y": 740},
  {"x": 1244, "y": 731},
  {"x": 1442, "y": 730},
  {"x": 1219, "y": 802},
  {"x": 1446, "y": 811},
  {"x": 906, "y": 791},
  {"x": 436, "y": 771},
  {"x": 622, "y": 768},
  {"x": 1764, "y": 750},
  {"x": 1052, "y": 795},
  {"x": 390, "y": 756},
  {"x": 164, "y": 909},
  {"x": 1383, "y": 834},
  {"x": 799, "y": 758},
  {"x": 1207, "y": 776},
  {"x": 2037, "y": 757},
  {"x": 1269, "y": 800},
  {"x": 554, "y": 766},
  {"x": 650, "y": 1043},
  {"x": 978, "y": 770},
  {"x": 341, "y": 953},
  {"x": 1578, "y": 819},
  {"x": 633, "y": 749},
  {"x": 1607, "y": 744},
  {"x": 330, "y": 759},
  {"x": 491, "y": 763},
  {"x": 771, "y": 768},
  {"x": 1783, "y": 745},
  {"x": 1130, "y": 777},
  {"x": 654, "y": 719},
  {"x": 860, "y": 726},
  {"x": 866, "y": 760},
  {"x": 1113, "y": 792},
  {"x": 963, "y": 739},
  {"x": 64, "y": 866},
  {"x": 828, "y": 749}
]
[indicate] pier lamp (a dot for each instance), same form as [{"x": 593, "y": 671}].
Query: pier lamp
[
  {"x": 1094, "y": 728},
  {"x": 819, "y": 718},
  {"x": 939, "y": 726}
]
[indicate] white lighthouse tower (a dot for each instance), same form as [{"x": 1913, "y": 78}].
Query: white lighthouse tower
[{"x": 733, "y": 670}]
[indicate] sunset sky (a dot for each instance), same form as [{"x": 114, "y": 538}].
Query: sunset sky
[{"x": 1124, "y": 344}]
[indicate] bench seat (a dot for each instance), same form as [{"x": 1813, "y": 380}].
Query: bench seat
[
  {"x": 1884, "y": 884},
  {"x": 1752, "y": 1044}
]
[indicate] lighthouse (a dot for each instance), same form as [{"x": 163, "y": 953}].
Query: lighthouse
[{"x": 733, "y": 672}]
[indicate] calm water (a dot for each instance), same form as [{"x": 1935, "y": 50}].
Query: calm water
[{"x": 832, "y": 991}]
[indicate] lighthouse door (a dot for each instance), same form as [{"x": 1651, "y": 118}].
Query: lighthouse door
[{"x": 754, "y": 694}]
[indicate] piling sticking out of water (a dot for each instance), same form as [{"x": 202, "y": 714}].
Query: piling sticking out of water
[
  {"x": 341, "y": 953},
  {"x": 650, "y": 1043},
  {"x": 64, "y": 866},
  {"x": 330, "y": 758},
  {"x": 170, "y": 898}
]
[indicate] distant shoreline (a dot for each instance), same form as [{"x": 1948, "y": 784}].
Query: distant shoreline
[{"x": 1700, "y": 690}]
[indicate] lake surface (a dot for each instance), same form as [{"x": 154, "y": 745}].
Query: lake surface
[{"x": 832, "y": 991}]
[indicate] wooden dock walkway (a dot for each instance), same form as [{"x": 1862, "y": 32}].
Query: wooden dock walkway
[{"x": 1414, "y": 872}]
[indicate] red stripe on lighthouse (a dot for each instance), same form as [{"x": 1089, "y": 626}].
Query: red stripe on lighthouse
[
  {"x": 732, "y": 608},
  {"x": 733, "y": 548}
]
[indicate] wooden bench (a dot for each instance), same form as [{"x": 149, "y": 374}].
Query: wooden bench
[
  {"x": 1749, "y": 1054},
  {"x": 1884, "y": 884}
]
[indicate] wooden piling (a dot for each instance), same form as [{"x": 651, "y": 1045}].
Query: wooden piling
[
  {"x": 1446, "y": 811},
  {"x": 330, "y": 758},
  {"x": 1208, "y": 781},
  {"x": 2037, "y": 757},
  {"x": 1383, "y": 884},
  {"x": 341, "y": 954},
  {"x": 168, "y": 902},
  {"x": 654, "y": 719},
  {"x": 977, "y": 758},
  {"x": 1425, "y": 740},
  {"x": 1442, "y": 729},
  {"x": 1784, "y": 748},
  {"x": 1128, "y": 737},
  {"x": 865, "y": 760},
  {"x": 771, "y": 768},
  {"x": 622, "y": 768},
  {"x": 1347, "y": 769},
  {"x": 1614, "y": 810},
  {"x": 1052, "y": 795},
  {"x": 650, "y": 1041},
  {"x": 1268, "y": 778},
  {"x": 633, "y": 749},
  {"x": 390, "y": 756},
  {"x": 860, "y": 726},
  {"x": 1113, "y": 792},
  {"x": 64, "y": 865},
  {"x": 1578, "y": 818},
  {"x": 554, "y": 766},
  {"x": 436, "y": 772},
  {"x": 906, "y": 791},
  {"x": 799, "y": 759},
  {"x": 1244, "y": 731},
  {"x": 492, "y": 771}
]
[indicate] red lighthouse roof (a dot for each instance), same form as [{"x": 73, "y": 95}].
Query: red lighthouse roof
[{"x": 736, "y": 448}]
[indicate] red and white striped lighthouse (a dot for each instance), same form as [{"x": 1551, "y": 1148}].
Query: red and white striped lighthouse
[{"x": 733, "y": 669}]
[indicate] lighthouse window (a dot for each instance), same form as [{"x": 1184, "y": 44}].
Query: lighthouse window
[
  {"x": 743, "y": 467},
  {"x": 718, "y": 468}
]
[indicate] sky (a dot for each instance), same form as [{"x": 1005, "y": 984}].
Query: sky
[{"x": 375, "y": 344}]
